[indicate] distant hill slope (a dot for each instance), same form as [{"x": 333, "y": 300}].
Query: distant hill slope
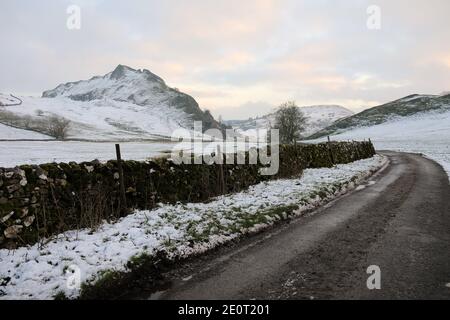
[
  {"x": 9, "y": 100},
  {"x": 125, "y": 104},
  {"x": 427, "y": 133},
  {"x": 319, "y": 117},
  {"x": 11, "y": 133},
  {"x": 405, "y": 107}
]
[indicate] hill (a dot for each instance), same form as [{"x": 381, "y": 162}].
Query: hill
[
  {"x": 125, "y": 104},
  {"x": 319, "y": 117},
  {"x": 406, "y": 107}
]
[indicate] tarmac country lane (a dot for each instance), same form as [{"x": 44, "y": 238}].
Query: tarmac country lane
[{"x": 400, "y": 222}]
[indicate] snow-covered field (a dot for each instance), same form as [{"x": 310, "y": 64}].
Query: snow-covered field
[
  {"x": 181, "y": 230},
  {"x": 427, "y": 133},
  {"x": 37, "y": 152}
]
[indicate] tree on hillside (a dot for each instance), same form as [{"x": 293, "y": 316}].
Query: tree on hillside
[
  {"x": 58, "y": 127},
  {"x": 290, "y": 122}
]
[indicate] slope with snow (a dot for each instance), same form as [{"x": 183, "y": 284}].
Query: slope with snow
[
  {"x": 401, "y": 108},
  {"x": 125, "y": 104},
  {"x": 106, "y": 119},
  {"x": 427, "y": 133},
  {"x": 10, "y": 133},
  {"x": 8, "y": 99},
  {"x": 318, "y": 117}
]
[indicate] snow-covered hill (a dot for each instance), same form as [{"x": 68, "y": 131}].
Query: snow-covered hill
[
  {"x": 427, "y": 133},
  {"x": 401, "y": 108},
  {"x": 319, "y": 117},
  {"x": 9, "y": 100},
  {"x": 125, "y": 104}
]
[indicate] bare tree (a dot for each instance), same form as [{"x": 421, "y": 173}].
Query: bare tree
[
  {"x": 58, "y": 127},
  {"x": 290, "y": 122},
  {"x": 8, "y": 118},
  {"x": 27, "y": 121}
]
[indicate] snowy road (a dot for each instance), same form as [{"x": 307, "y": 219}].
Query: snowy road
[{"x": 401, "y": 223}]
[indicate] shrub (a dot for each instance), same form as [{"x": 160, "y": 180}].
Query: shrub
[{"x": 58, "y": 127}]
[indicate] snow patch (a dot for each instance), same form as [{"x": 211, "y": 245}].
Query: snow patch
[{"x": 10, "y": 133}]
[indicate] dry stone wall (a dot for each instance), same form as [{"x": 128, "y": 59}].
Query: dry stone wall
[{"x": 40, "y": 201}]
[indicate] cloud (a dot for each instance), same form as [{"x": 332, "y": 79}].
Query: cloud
[{"x": 227, "y": 53}]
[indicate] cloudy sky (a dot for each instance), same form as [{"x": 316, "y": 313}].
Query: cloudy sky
[{"x": 237, "y": 58}]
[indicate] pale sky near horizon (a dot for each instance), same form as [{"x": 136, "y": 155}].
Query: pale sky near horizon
[{"x": 236, "y": 58}]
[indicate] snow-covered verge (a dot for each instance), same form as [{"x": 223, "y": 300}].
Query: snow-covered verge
[
  {"x": 40, "y": 272},
  {"x": 426, "y": 133}
]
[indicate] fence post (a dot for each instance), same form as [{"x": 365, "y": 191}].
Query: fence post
[
  {"x": 221, "y": 175},
  {"x": 121, "y": 180},
  {"x": 330, "y": 152}
]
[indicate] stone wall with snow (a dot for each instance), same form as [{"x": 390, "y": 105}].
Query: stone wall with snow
[{"x": 39, "y": 201}]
